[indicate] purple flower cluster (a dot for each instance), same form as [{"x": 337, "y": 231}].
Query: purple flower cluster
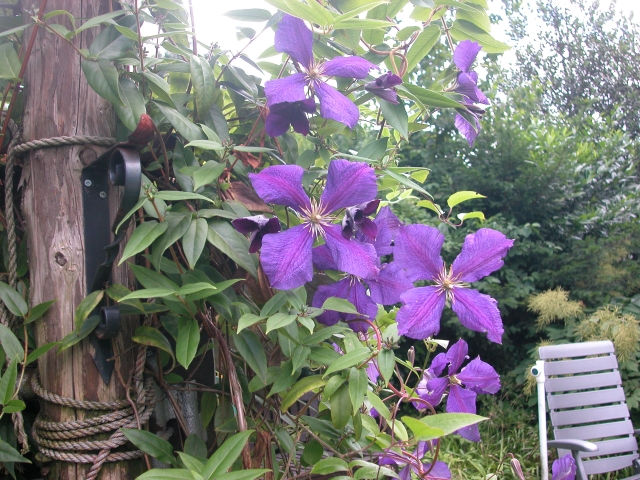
[{"x": 462, "y": 386}]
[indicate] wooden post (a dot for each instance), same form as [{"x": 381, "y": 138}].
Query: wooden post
[{"x": 58, "y": 101}]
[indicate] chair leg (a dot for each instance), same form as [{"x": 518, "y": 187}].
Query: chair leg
[
  {"x": 636, "y": 466},
  {"x": 580, "y": 473}
]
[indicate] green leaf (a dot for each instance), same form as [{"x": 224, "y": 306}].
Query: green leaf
[
  {"x": 462, "y": 196},
  {"x": 322, "y": 335},
  {"x": 422, "y": 431},
  {"x": 386, "y": 363},
  {"x": 396, "y": 116},
  {"x": 422, "y": 46},
  {"x": 252, "y": 351},
  {"x": 133, "y": 107},
  {"x": 208, "y": 173},
  {"x": 206, "y": 145},
  {"x": 13, "y": 349},
  {"x": 430, "y": 205},
  {"x": 12, "y": 300},
  {"x": 153, "y": 338},
  {"x": 279, "y": 320},
  {"x": 87, "y": 305},
  {"x": 13, "y": 406},
  {"x": 324, "y": 355},
  {"x": 143, "y": 236},
  {"x": 159, "y": 87},
  {"x": 244, "y": 148},
  {"x": 341, "y": 407},
  {"x": 187, "y": 342},
  {"x": 300, "y": 10},
  {"x": 208, "y": 405},
  {"x": 330, "y": 465},
  {"x": 178, "y": 196},
  {"x": 350, "y": 359},
  {"x": 10, "y": 64},
  {"x": 463, "y": 30},
  {"x": 110, "y": 44},
  {"x": 250, "y": 474},
  {"x": 98, "y": 20},
  {"x": 303, "y": 386},
  {"x": 9, "y": 454},
  {"x": 79, "y": 333},
  {"x": 312, "y": 452},
  {"x": 8, "y": 382},
  {"x": 469, "y": 215},
  {"x": 479, "y": 18},
  {"x": 375, "y": 150},
  {"x": 38, "y": 352},
  {"x": 363, "y": 24},
  {"x": 102, "y": 76},
  {"x": 249, "y": 15},
  {"x": 407, "y": 182},
  {"x": 151, "y": 444},
  {"x": 233, "y": 244},
  {"x": 450, "y": 422},
  {"x": 225, "y": 456},
  {"x": 204, "y": 84},
  {"x": 194, "y": 240},
  {"x": 38, "y": 311},
  {"x": 379, "y": 405},
  {"x": 358, "y": 382},
  {"x": 338, "y": 304},
  {"x": 185, "y": 127},
  {"x": 299, "y": 356},
  {"x": 247, "y": 320},
  {"x": 166, "y": 474},
  {"x": 149, "y": 293},
  {"x": 150, "y": 279},
  {"x": 428, "y": 97}
]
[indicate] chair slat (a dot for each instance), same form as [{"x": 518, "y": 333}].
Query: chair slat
[
  {"x": 614, "y": 447},
  {"x": 582, "y": 399},
  {"x": 589, "y": 415},
  {"x": 583, "y": 382},
  {"x": 575, "y": 350},
  {"x": 609, "y": 464},
  {"x": 590, "y": 432},
  {"x": 584, "y": 365}
]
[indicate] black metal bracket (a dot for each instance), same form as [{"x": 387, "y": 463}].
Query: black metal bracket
[{"x": 119, "y": 166}]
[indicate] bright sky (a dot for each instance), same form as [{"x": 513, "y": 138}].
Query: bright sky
[{"x": 212, "y": 26}]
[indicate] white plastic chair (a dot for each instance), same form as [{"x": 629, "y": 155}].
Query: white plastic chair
[{"x": 582, "y": 387}]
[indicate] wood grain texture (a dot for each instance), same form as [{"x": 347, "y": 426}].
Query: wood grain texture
[{"x": 58, "y": 101}]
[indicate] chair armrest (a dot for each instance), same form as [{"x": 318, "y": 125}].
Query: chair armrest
[
  {"x": 573, "y": 445},
  {"x": 636, "y": 432}
]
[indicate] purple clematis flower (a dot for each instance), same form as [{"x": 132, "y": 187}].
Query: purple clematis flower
[
  {"x": 383, "y": 87},
  {"x": 289, "y": 114},
  {"x": 477, "y": 377},
  {"x": 417, "y": 250},
  {"x": 386, "y": 285},
  {"x": 467, "y": 81},
  {"x": 258, "y": 226},
  {"x": 295, "y": 39},
  {"x": 564, "y": 468},
  {"x": 387, "y": 227},
  {"x": 355, "y": 219},
  {"x": 469, "y": 130},
  {"x": 287, "y": 256}
]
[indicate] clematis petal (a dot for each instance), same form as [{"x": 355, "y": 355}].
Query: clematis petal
[
  {"x": 386, "y": 94},
  {"x": 338, "y": 289},
  {"x": 286, "y": 257},
  {"x": 322, "y": 258},
  {"x": 417, "y": 250},
  {"x": 405, "y": 473},
  {"x": 282, "y": 185},
  {"x": 299, "y": 122},
  {"x": 466, "y": 129},
  {"x": 351, "y": 256},
  {"x": 465, "y": 54},
  {"x": 564, "y": 468},
  {"x": 348, "y": 184},
  {"x": 479, "y": 377},
  {"x": 390, "y": 283},
  {"x": 369, "y": 229},
  {"x": 481, "y": 254},
  {"x": 440, "y": 471},
  {"x": 335, "y": 106},
  {"x": 287, "y": 89},
  {"x": 295, "y": 39},
  {"x": 432, "y": 391},
  {"x": 258, "y": 226},
  {"x": 388, "y": 226},
  {"x": 357, "y": 295},
  {"x": 276, "y": 124},
  {"x": 478, "y": 312},
  {"x": 438, "y": 365},
  {"x": 419, "y": 318},
  {"x": 461, "y": 400},
  {"x": 457, "y": 354},
  {"x": 372, "y": 370},
  {"x": 469, "y": 87},
  {"x": 348, "y": 67}
]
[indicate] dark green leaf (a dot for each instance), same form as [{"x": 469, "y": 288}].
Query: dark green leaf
[
  {"x": 303, "y": 386},
  {"x": 279, "y": 320},
  {"x": 330, "y": 465},
  {"x": 233, "y": 244},
  {"x": 38, "y": 311},
  {"x": 133, "y": 107},
  {"x": 207, "y": 174},
  {"x": 422, "y": 46},
  {"x": 204, "y": 84},
  {"x": 153, "y": 338},
  {"x": 396, "y": 116},
  {"x": 9, "y": 454},
  {"x": 151, "y": 444},
  {"x": 187, "y": 342},
  {"x": 386, "y": 363},
  {"x": 463, "y": 30},
  {"x": 225, "y": 456},
  {"x": 185, "y": 127},
  {"x": 143, "y": 236},
  {"x": 38, "y": 352},
  {"x": 252, "y": 351},
  {"x": 79, "y": 333},
  {"x": 348, "y": 360},
  {"x": 159, "y": 87},
  {"x": 194, "y": 240},
  {"x": 12, "y": 300},
  {"x": 358, "y": 382},
  {"x": 8, "y": 382},
  {"x": 247, "y": 320},
  {"x": 341, "y": 408},
  {"x": 110, "y": 44},
  {"x": 87, "y": 305},
  {"x": 312, "y": 452},
  {"x": 9, "y": 62}
]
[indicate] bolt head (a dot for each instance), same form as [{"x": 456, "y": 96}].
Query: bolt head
[
  {"x": 87, "y": 183},
  {"x": 103, "y": 194}
]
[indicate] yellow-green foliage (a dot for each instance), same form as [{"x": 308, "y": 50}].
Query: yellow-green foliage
[
  {"x": 607, "y": 323},
  {"x": 554, "y": 305}
]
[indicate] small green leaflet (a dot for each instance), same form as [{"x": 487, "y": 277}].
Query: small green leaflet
[
  {"x": 462, "y": 196},
  {"x": 339, "y": 305}
]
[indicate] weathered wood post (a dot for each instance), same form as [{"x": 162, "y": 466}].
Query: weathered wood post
[{"x": 58, "y": 101}]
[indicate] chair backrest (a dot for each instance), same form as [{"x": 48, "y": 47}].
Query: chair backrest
[{"x": 586, "y": 402}]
